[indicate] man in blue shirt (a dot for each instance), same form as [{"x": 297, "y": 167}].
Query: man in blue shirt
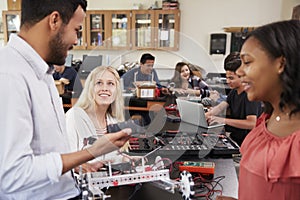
[
  {"x": 66, "y": 75},
  {"x": 144, "y": 72}
]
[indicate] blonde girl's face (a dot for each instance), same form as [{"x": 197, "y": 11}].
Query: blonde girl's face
[
  {"x": 105, "y": 88},
  {"x": 185, "y": 72}
]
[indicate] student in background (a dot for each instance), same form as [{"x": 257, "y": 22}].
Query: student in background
[
  {"x": 100, "y": 104},
  {"x": 242, "y": 114},
  {"x": 35, "y": 159},
  {"x": 270, "y": 73},
  {"x": 66, "y": 75},
  {"x": 72, "y": 85},
  {"x": 144, "y": 72},
  {"x": 186, "y": 83}
]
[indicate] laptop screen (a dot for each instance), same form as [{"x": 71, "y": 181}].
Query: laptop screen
[{"x": 193, "y": 113}]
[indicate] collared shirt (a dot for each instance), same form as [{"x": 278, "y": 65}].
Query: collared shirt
[{"x": 32, "y": 128}]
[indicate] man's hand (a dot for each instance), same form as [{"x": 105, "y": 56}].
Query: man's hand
[
  {"x": 90, "y": 167},
  {"x": 109, "y": 142},
  {"x": 64, "y": 81},
  {"x": 215, "y": 120}
]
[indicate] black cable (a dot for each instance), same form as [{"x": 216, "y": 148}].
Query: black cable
[{"x": 137, "y": 187}]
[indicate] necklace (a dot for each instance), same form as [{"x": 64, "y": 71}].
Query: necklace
[
  {"x": 99, "y": 130},
  {"x": 278, "y": 118}
]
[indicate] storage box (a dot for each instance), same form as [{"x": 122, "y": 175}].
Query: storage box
[
  {"x": 145, "y": 89},
  {"x": 60, "y": 87},
  {"x": 14, "y": 4}
]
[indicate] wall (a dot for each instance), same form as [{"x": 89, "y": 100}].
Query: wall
[{"x": 199, "y": 18}]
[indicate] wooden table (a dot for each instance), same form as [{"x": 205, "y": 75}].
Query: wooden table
[{"x": 143, "y": 104}]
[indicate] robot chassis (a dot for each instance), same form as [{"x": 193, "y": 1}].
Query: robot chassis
[{"x": 92, "y": 183}]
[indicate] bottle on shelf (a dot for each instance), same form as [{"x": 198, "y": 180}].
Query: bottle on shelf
[{"x": 99, "y": 39}]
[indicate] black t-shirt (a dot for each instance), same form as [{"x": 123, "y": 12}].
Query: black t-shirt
[{"x": 239, "y": 108}]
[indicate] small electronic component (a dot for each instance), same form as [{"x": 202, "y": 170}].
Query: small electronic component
[{"x": 198, "y": 167}]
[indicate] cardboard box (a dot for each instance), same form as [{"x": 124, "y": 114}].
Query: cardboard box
[
  {"x": 14, "y": 4},
  {"x": 145, "y": 89},
  {"x": 60, "y": 87}
]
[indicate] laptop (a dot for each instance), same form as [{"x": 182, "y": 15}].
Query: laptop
[{"x": 193, "y": 113}]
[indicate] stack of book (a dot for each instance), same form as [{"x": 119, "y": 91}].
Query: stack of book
[{"x": 170, "y": 5}]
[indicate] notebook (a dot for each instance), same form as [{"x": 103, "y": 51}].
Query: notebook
[{"x": 193, "y": 113}]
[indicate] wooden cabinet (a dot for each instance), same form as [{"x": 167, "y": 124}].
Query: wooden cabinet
[
  {"x": 11, "y": 23},
  {"x": 155, "y": 29},
  {"x": 108, "y": 29},
  {"x": 118, "y": 29},
  {"x": 133, "y": 29},
  {"x": 81, "y": 38},
  {"x": 167, "y": 35},
  {"x": 96, "y": 28},
  {"x": 143, "y": 29},
  {"x": 119, "y": 26}
]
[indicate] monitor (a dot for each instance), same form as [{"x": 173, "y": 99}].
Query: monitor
[
  {"x": 69, "y": 59},
  {"x": 88, "y": 64}
]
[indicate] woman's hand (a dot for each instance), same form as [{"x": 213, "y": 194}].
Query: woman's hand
[
  {"x": 214, "y": 95},
  {"x": 180, "y": 91}
]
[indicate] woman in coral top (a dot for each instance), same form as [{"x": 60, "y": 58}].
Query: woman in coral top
[{"x": 270, "y": 70}]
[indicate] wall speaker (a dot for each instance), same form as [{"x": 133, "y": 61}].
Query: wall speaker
[{"x": 218, "y": 43}]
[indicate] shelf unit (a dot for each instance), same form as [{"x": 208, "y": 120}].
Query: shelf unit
[
  {"x": 155, "y": 29},
  {"x": 108, "y": 29},
  {"x": 11, "y": 23},
  {"x": 118, "y": 29}
]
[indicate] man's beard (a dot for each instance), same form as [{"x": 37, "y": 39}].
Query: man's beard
[{"x": 57, "y": 50}]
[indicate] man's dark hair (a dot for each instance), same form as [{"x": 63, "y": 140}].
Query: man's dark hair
[
  {"x": 34, "y": 11},
  {"x": 232, "y": 62},
  {"x": 146, "y": 56}
]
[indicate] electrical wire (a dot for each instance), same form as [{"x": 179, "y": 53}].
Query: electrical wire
[{"x": 207, "y": 188}]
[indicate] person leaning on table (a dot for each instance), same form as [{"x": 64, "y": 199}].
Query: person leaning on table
[
  {"x": 185, "y": 82},
  {"x": 35, "y": 160}
]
